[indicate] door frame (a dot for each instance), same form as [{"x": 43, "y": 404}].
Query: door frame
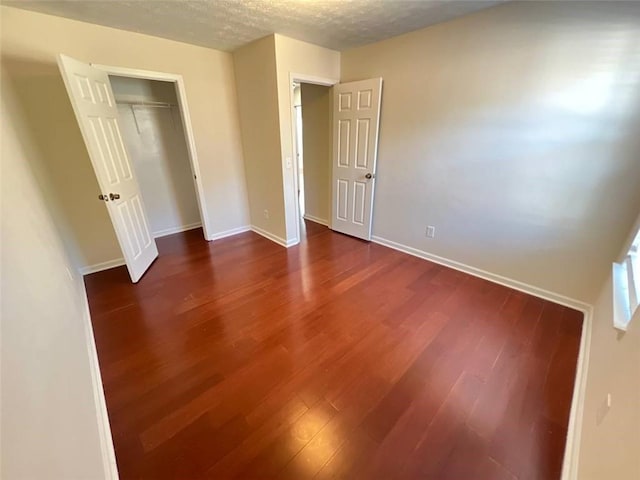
[
  {"x": 314, "y": 80},
  {"x": 181, "y": 94}
]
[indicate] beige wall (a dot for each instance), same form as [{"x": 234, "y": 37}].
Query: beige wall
[
  {"x": 255, "y": 73},
  {"x": 316, "y": 138},
  {"x": 296, "y": 57},
  {"x": 30, "y": 43},
  {"x": 610, "y": 443},
  {"x": 514, "y": 131},
  {"x": 48, "y": 415}
]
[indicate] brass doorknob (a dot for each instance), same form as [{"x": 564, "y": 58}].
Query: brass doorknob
[{"x": 114, "y": 196}]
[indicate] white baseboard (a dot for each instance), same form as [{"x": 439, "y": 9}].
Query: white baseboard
[
  {"x": 98, "y": 267},
  {"x": 311, "y": 218},
  {"x": 229, "y": 233},
  {"x": 571, "y": 460},
  {"x": 172, "y": 230},
  {"x": 574, "y": 430},
  {"x": 104, "y": 428},
  {"x": 492, "y": 277},
  {"x": 274, "y": 238}
]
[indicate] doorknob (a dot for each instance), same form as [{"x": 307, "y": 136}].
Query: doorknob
[
  {"x": 103, "y": 197},
  {"x": 114, "y": 196},
  {"x": 369, "y": 176}
]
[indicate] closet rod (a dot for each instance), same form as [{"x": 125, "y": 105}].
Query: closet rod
[{"x": 147, "y": 104}]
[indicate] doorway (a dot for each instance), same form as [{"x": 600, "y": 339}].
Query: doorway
[
  {"x": 154, "y": 136},
  {"x": 100, "y": 119},
  {"x": 312, "y": 132},
  {"x": 350, "y": 127}
]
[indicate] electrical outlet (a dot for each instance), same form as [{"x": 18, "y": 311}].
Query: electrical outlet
[
  {"x": 431, "y": 231},
  {"x": 603, "y": 409},
  {"x": 266, "y": 214}
]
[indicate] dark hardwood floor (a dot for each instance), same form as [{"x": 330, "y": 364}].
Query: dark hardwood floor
[{"x": 333, "y": 359}]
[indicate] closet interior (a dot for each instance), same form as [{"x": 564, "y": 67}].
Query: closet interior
[{"x": 152, "y": 130}]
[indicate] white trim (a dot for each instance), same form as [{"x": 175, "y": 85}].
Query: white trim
[
  {"x": 311, "y": 218},
  {"x": 571, "y": 458},
  {"x": 99, "y": 267},
  {"x": 492, "y": 277},
  {"x": 314, "y": 80},
  {"x": 106, "y": 440},
  {"x": 621, "y": 307},
  {"x": 274, "y": 238},
  {"x": 574, "y": 429},
  {"x": 229, "y": 233},
  {"x": 186, "y": 122},
  {"x": 172, "y": 230}
]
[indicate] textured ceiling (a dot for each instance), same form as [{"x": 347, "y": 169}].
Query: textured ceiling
[{"x": 229, "y": 24}]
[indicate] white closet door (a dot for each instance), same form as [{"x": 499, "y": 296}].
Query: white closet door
[{"x": 97, "y": 115}]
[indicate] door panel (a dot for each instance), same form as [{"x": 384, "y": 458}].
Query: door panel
[
  {"x": 97, "y": 115},
  {"x": 356, "y": 122}
]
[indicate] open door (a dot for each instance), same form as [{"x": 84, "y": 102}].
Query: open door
[
  {"x": 356, "y": 123},
  {"x": 97, "y": 114}
]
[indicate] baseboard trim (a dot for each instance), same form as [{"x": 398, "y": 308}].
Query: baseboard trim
[
  {"x": 229, "y": 233},
  {"x": 570, "y": 464},
  {"x": 104, "y": 428},
  {"x": 311, "y": 218},
  {"x": 572, "y": 447},
  {"x": 274, "y": 238},
  {"x": 99, "y": 267},
  {"x": 171, "y": 231},
  {"x": 492, "y": 277}
]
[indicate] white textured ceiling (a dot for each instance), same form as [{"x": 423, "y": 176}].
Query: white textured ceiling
[{"x": 229, "y": 24}]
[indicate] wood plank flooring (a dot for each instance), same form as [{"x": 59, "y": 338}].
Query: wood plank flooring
[{"x": 239, "y": 359}]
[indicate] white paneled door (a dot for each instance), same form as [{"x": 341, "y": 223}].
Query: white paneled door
[
  {"x": 97, "y": 114},
  {"x": 356, "y": 122}
]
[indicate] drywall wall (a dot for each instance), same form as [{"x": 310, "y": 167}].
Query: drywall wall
[
  {"x": 49, "y": 419},
  {"x": 610, "y": 439},
  {"x": 514, "y": 132},
  {"x": 255, "y": 73},
  {"x": 156, "y": 143},
  {"x": 30, "y": 44},
  {"x": 316, "y": 138},
  {"x": 305, "y": 59}
]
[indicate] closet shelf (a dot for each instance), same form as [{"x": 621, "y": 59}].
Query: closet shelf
[{"x": 146, "y": 104}]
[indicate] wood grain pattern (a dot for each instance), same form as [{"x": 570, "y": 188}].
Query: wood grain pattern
[{"x": 333, "y": 359}]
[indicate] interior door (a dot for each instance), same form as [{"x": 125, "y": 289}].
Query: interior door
[
  {"x": 356, "y": 123},
  {"x": 97, "y": 114}
]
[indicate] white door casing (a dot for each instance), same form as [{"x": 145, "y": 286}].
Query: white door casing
[
  {"x": 97, "y": 115},
  {"x": 356, "y": 123}
]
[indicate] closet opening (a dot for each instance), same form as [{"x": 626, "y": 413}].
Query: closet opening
[
  {"x": 154, "y": 135},
  {"x": 136, "y": 127}
]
